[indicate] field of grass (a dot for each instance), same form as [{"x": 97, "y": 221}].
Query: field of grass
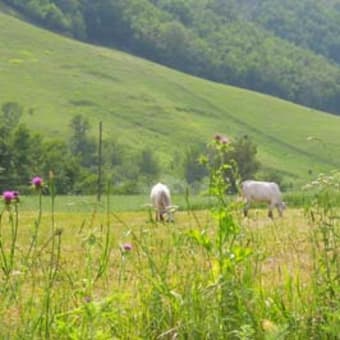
[
  {"x": 109, "y": 274},
  {"x": 118, "y": 203},
  {"x": 142, "y": 103}
]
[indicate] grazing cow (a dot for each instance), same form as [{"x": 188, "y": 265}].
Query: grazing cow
[
  {"x": 262, "y": 192},
  {"x": 161, "y": 202}
]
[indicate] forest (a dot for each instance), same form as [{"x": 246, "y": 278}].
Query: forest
[{"x": 286, "y": 49}]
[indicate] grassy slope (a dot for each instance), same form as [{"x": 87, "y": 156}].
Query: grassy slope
[{"x": 143, "y": 103}]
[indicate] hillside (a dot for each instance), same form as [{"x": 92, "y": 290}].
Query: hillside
[
  {"x": 142, "y": 103},
  {"x": 287, "y": 49}
]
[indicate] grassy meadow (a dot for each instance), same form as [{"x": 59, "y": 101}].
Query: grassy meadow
[
  {"x": 73, "y": 268},
  {"x": 213, "y": 274},
  {"x": 144, "y": 104},
  {"x": 118, "y": 203}
]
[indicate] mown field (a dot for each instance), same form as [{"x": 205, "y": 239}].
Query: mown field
[
  {"x": 213, "y": 274},
  {"x": 144, "y": 104}
]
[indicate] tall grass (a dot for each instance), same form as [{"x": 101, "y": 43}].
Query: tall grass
[{"x": 210, "y": 275}]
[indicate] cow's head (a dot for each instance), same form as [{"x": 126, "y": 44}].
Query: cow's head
[{"x": 169, "y": 211}]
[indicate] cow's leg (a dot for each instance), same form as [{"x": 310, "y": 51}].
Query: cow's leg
[
  {"x": 246, "y": 208},
  {"x": 270, "y": 211},
  {"x": 279, "y": 209},
  {"x": 161, "y": 216}
]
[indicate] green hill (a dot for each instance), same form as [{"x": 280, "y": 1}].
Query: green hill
[
  {"x": 285, "y": 49},
  {"x": 142, "y": 103}
]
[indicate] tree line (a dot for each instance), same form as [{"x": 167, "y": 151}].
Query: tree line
[
  {"x": 74, "y": 160},
  {"x": 284, "y": 48}
]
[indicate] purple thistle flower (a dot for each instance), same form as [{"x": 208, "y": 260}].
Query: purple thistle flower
[
  {"x": 127, "y": 247},
  {"x": 8, "y": 196},
  {"x": 37, "y": 182}
]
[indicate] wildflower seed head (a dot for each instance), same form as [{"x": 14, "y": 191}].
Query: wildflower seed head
[
  {"x": 87, "y": 299},
  {"x": 51, "y": 174},
  {"x": 217, "y": 137},
  {"x": 221, "y": 139},
  {"x": 225, "y": 140},
  {"x": 16, "y": 196}
]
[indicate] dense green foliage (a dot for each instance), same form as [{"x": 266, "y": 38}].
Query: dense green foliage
[
  {"x": 283, "y": 48},
  {"x": 74, "y": 163}
]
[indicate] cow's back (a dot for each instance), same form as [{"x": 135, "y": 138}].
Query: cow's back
[
  {"x": 164, "y": 199},
  {"x": 260, "y": 190},
  {"x": 160, "y": 196}
]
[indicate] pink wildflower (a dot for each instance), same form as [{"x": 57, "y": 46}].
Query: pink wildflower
[
  {"x": 8, "y": 196},
  {"x": 127, "y": 247},
  {"x": 37, "y": 182}
]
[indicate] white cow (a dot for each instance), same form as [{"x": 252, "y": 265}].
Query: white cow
[
  {"x": 259, "y": 191},
  {"x": 161, "y": 202}
]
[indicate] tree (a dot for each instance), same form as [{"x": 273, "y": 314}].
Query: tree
[
  {"x": 235, "y": 160},
  {"x": 82, "y": 146},
  {"x": 55, "y": 19},
  {"x": 22, "y": 160},
  {"x": 148, "y": 165},
  {"x": 113, "y": 153},
  {"x": 194, "y": 170},
  {"x": 66, "y": 169},
  {"x": 244, "y": 153},
  {"x": 9, "y": 119}
]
